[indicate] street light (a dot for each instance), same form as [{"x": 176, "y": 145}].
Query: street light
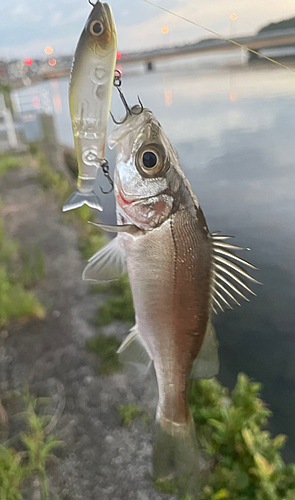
[
  {"x": 165, "y": 30},
  {"x": 48, "y": 50}
]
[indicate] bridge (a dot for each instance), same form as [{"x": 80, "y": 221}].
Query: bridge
[{"x": 266, "y": 40}]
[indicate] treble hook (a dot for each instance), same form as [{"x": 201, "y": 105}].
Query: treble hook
[
  {"x": 105, "y": 168},
  {"x": 129, "y": 111}
]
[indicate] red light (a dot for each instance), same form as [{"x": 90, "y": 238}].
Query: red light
[
  {"x": 28, "y": 61},
  {"x": 119, "y": 55},
  {"x": 36, "y": 102},
  {"x": 52, "y": 62}
]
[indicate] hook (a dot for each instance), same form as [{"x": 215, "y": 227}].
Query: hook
[
  {"x": 129, "y": 111},
  {"x": 93, "y": 4},
  {"x": 105, "y": 168}
]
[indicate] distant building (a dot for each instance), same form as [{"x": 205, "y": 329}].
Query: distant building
[{"x": 3, "y": 73}]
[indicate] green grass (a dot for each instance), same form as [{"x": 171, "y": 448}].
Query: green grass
[
  {"x": 231, "y": 429},
  {"x": 16, "y": 302},
  {"x": 20, "y": 269},
  {"x": 129, "y": 413},
  {"x": 50, "y": 179},
  {"x": 32, "y": 266},
  {"x": 90, "y": 237},
  {"x": 90, "y": 243},
  {"x": 30, "y": 455},
  {"x": 8, "y": 162},
  {"x": 105, "y": 347},
  {"x": 119, "y": 304}
]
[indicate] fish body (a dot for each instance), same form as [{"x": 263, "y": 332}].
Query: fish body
[
  {"x": 171, "y": 260},
  {"x": 90, "y": 93}
]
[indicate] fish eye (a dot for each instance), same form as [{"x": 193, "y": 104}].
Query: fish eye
[
  {"x": 150, "y": 160},
  {"x": 96, "y": 28}
]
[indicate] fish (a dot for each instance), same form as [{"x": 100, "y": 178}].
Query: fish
[
  {"x": 91, "y": 83},
  {"x": 180, "y": 276}
]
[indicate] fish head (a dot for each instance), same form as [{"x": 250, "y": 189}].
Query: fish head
[
  {"x": 100, "y": 29},
  {"x": 147, "y": 171}
]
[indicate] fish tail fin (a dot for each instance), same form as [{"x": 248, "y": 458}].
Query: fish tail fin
[
  {"x": 77, "y": 199},
  {"x": 177, "y": 457}
]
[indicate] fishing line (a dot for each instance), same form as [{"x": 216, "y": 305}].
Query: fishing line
[{"x": 222, "y": 37}]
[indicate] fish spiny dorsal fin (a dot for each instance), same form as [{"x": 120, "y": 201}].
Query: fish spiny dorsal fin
[{"x": 223, "y": 290}]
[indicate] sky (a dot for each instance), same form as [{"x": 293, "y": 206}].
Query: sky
[{"x": 29, "y": 25}]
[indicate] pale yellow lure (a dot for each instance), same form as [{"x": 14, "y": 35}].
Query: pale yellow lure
[{"x": 90, "y": 98}]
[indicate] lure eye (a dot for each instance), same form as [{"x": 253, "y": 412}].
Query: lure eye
[
  {"x": 96, "y": 28},
  {"x": 150, "y": 160}
]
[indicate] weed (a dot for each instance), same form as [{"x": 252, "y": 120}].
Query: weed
[
  {"x": 119, "y": 305},
  {"x": 16, "y": 273},
  {"x": 105, "y": 347},
  {"x": 32, "y": 266},
  {"x": 8, "y": 162},
  {"x": 19, "y": 466},
  {"x": 90, "y": 237},
  {"x": 128, "y": 413},
  {"x": 90, "y": 243},
  {"x": 50, "y": 179},
  {"x": 230, "y": 429},
  {"x": 166, "y": 485},
  {"x": 16, "y": 302}
]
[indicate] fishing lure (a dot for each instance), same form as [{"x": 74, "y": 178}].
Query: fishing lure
[{"x": 91, "y": 85}]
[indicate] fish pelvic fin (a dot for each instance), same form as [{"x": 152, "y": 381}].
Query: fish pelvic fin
[
  {"x": 108, "y": 264},
  {"x": 229, "y": 280},
  {"x": 123, "y": 228},
  {"x": 206, "y": 364},
  {"x": 177, "y": 456},
  {"x": 78, "y": 199}
]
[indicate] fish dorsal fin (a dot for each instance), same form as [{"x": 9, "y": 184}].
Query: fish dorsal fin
[
  {"x": 107, "y": 264},
  {"x": 206, "y": 365},
  {"x": 133, "y": 350},
  {"x": 223, "y": 290}
]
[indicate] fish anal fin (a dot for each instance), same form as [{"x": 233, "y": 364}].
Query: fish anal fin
[
  {"x": 206, "y": 365},
  {"x": 133, "y": 350}
]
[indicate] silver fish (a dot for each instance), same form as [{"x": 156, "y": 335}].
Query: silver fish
[
  {"x": 90, "y": 98},
  {"x": 180, "y": 274}
]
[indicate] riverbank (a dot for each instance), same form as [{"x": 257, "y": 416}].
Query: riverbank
[{"x": 99, "y": 458}]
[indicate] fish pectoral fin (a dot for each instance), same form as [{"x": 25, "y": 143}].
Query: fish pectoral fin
[
  {"x": 124, "y": 228},
  {"x": 206, "y": 364},
  {"x": 107, "y": 264},
  {"x": 133, "y": 350},
  {"x": 78, "y": 199}
]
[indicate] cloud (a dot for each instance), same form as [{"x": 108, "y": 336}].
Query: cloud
[{"x": 56, "y": 19}]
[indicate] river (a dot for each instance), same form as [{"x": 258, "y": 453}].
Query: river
[{"x": 233, "y": 127}]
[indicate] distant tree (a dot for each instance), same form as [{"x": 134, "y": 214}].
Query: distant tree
[{"x": 286, "y": 24}]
